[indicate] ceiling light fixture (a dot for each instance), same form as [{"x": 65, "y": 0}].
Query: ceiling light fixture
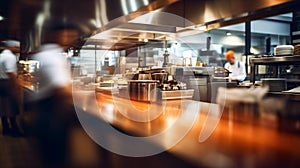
[
  {"x": 1, "y": 18},
  {"x": 228, "y": 33}
]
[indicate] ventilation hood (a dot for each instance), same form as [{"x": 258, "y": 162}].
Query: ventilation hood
[
  {"x": 27, "y": 20},
  {"x": 186, "y": 17}
]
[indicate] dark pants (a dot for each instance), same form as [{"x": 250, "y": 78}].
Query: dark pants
[
  {"x": 9, "y": 125},
  {"x": 9, "y": 106},
  {"x": 55, "y": 116}
]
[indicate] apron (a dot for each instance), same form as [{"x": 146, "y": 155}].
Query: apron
[{"x": 8, "y": 101}]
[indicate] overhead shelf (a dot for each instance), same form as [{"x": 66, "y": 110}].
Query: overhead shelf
[
  {"x": 282, "y": 60},
  {"x": 274, "y": 60}
]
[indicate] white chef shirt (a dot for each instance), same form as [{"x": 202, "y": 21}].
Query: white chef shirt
[
  {"x": 8, "y": 64},
  {"x": 238, "y": 70},
  {"x": 54, "y": 69}
]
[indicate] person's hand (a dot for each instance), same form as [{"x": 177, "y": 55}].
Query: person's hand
[{"x": 233, "y": 78}]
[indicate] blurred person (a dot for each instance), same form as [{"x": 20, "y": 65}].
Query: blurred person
[
  {"x": 237, "y": 68},
  {"x": 9, "y": 89},
  {"x": 55, "y": 114}
]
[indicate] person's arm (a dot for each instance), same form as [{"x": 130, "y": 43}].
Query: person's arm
[{"x": 226, "y": 66}]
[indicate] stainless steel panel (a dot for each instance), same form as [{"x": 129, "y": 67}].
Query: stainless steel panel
[
  {"x": 143, "y": 90},
  {"x": 217, "y": 13},
  {"x": 29, "y": 20},
  {"x": 198, "y": 81},
  {"x": 140, "y": 27},
  {"x": 274, "y": 60},
  {"x": 178, "y": 94},
  {"x": 213, "y": 89},
  {"x": 200, "y": 92},
  {"x": 200, "y": 88},
  {"x": 275, "y": 84}
]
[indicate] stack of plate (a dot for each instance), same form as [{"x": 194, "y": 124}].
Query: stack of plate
[
  {"x": 284, "y": 50},
  {"x": 297, "y": 49}
]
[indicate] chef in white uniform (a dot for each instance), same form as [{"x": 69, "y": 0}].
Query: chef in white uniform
[
  {"x": 8, "y": 89},
  {"x": 55, "y": 115},
  {"x": 237, "y": 68}
]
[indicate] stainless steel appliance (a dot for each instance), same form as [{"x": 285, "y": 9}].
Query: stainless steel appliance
[
  {"x": 30, "y": 66},
  {"x": 161, "y": 77},
  {"x": 143, "y": 90},
  {"x": 27, "y": 71},
  {"x": 200, "y": 87}
]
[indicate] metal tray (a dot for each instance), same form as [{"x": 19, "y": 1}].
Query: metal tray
[{"x": 177, "y": 94}]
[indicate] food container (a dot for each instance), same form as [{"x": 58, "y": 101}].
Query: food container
[{"x": 143, "y": 90}]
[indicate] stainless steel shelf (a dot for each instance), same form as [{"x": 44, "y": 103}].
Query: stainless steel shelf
[
  {"x": 275, "y": 60},
  {"x": 293, "y": 80},
  {"x": 287, "y": 95}
]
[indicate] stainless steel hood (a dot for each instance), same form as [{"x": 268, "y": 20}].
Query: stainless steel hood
[
  {"x": 188, "y": 17},
  {"x": 207, "y": 12},
  {"x": 138, "y": 31},
  {"x": 29, "y": 20}
]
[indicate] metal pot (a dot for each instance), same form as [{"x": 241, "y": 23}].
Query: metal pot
[
  {"x": 143, "y": 90},
  {"x": 144, "y": 77},
  {"x": 161, "y": 77}
]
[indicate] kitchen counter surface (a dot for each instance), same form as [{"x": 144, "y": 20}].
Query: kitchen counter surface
[{"x": 240, "y": 139}]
